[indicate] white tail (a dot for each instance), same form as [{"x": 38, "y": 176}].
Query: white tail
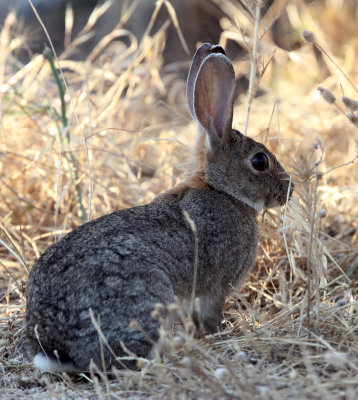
[{"x": 47, "y": 364}]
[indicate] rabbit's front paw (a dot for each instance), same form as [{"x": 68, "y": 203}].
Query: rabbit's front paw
[{"x": 205, "y": 326}]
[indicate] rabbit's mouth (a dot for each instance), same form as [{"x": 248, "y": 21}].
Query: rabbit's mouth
[
  {"x": 286, "y": 191},
  {"x": 283, "y": 193}
]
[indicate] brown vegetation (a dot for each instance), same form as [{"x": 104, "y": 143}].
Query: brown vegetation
[{"x": 291, "y": 330}]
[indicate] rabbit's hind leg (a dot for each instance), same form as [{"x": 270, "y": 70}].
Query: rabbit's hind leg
[{"x": 210, "y": 313}]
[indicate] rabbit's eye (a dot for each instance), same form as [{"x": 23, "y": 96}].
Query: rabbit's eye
[{"x": 260, "y": 161}]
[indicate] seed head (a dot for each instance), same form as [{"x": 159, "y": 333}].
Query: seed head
[
  {"x": 173, "y": 308},
  {"x": 186, "y": 362},
  {"x": 221, "y": 373},
  {"x": 141, "y": 363},
  {"x": 156, "y": 314},
  {"x": 322, "y": 213},
  {"x": 335, "y": 358},
  {"x": 241, "y": 356},
  {"x": 319, "y": 174},
  {"x": 308, "y": 37},
  {"x": 353, "y": 118},
  {"x": 133, "y": 325},
  {"x": 178, "y": 342},
  {"x": 350, "y": 103},
  {"x": 327, "y": 95},
  {"x": 159, "y": 307},
  {"x": 317, "y": 144},
  {"x": 341, "y": 303}
]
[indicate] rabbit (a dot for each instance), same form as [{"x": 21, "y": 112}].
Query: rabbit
[{"x": 119, "y": 266}]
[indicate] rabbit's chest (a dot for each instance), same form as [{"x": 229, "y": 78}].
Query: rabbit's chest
[{"x": 227, "y": 245}]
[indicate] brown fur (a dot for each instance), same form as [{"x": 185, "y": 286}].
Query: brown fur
[{"x": 196, "y": 177}]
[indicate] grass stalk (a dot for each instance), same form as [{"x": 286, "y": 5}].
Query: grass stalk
[
  {"x": 254, "y": 57},
  {"x": 336, "y": 65},
  {"x": 196, "y": 260},
  {"x": 310, "y": 247},
  {"x": 69, "y": 158}
]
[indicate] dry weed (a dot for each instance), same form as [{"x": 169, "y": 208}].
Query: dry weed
[{"x": 291, "y": 330}]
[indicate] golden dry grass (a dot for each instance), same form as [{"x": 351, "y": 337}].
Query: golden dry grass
[{"x": 131, "y": 137}]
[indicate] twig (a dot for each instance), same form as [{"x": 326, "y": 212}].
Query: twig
[
  {"x": 16, "y": 253},
  {"x": 310, "y": 38},
  {"x": 336, "y": 65},
  {"x": 253, "y": 61},
  {"x": 309, "y": 253},
  {"x": 173, "y": 17},
  {"x": 352, "y": 161}
]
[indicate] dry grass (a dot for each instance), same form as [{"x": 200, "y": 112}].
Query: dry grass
[{"x": 130, "y": 136}]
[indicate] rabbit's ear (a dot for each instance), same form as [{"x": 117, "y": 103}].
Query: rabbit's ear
[
  {"x": 202, "y": 52},
  {"x": 214, "y": 98},
  {"x": 199, "y": 57}
]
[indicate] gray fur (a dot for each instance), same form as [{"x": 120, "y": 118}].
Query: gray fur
[{"x": 122, "y": 264}]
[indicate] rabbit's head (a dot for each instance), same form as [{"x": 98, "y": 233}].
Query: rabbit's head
[{"x": 224, "y": 158}]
